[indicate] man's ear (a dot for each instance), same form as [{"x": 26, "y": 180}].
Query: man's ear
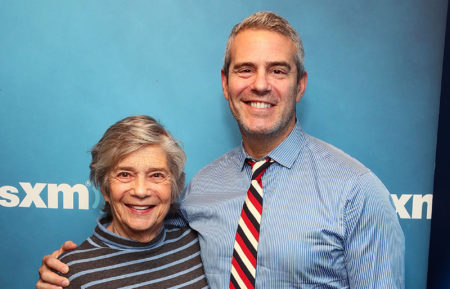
[
  {"x": 301, "y": 86},
  {"x": 224, "y": 83}
]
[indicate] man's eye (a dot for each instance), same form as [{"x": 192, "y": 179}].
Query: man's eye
[
  {"x": 244, "y": 70},
  {"x": 279, "y": 71}
]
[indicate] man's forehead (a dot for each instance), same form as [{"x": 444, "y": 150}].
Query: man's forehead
[{"x": 262, "y": 44}]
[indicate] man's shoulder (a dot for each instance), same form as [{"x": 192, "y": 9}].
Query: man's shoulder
[
  {"x": 337, "y": 167},
  {"x": 219, "y": 166},
  {"x": 329, "y": 156}
]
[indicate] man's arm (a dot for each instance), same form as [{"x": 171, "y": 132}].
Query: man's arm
[
  {"x": 50, "y": 263},
  {"x": 374, "y": 241}
]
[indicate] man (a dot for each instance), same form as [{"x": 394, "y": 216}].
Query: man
[{"x": 326, "y": 220}]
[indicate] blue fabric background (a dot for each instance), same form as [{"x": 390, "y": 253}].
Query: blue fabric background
[{"x": 69, "y": 69}]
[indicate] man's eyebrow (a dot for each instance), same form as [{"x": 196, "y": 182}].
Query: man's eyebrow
[
  {"x": 269, "y": 64},
  {"x": 279, "y": 63},
  {"x": 242, "y": 64}
]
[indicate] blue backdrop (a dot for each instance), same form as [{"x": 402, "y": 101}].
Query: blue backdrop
[{"x": 69, "y": 69}]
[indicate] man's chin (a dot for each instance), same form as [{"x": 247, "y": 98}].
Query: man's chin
[
  {"x": 265, "y": 131},
  {"x": 258, "y": 131}
]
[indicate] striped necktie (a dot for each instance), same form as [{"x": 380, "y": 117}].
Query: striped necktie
[{"x": 243, "y": 268}]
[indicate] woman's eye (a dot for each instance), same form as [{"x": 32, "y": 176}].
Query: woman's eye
[
  {"x": 124, "y": 177},
  {"x": 158, "y": 177}
]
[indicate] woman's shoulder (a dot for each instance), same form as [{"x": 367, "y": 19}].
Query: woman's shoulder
[
  {"x": 86, "y": 247},
  {"x": 173, "y": 232}
]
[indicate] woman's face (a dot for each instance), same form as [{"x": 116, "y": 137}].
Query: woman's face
[{"x": 140, "y": 196}]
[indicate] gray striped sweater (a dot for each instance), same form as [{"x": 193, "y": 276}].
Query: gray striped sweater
[{"x": 106, "y": 260}]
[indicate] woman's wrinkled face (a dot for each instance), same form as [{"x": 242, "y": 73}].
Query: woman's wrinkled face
[{"x": 140, "y": 194}]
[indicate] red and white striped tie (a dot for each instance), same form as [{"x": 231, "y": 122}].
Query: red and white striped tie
[{"x": 243, "y": 268}]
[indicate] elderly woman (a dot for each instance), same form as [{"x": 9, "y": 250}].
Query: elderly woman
[{"x": 138, "y": 167}]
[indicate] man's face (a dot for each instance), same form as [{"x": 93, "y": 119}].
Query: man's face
[{"x": 261, "y": 86}]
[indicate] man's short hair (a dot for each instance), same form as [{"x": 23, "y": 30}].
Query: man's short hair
[{"x": 271, "y": 22}]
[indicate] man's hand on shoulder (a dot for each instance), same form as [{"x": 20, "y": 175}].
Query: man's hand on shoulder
[{"x": 48, "y": 279}]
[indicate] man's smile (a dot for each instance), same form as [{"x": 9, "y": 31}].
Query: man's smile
[{"x": 259, "y": 104}]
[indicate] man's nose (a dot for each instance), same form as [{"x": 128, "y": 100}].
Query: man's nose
[{"x": 261, "y": 82}]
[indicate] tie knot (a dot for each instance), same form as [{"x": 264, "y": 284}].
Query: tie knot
[{"x": 259, "y": 167}]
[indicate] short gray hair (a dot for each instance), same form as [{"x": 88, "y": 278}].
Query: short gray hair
[
  {"x": 127, "y": 136},
  {"x": 271, "y": 22}
]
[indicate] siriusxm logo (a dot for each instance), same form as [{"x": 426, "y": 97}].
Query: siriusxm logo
[
  {"x": 413, "y": 209},
  {"x": 29, "y": 195}
]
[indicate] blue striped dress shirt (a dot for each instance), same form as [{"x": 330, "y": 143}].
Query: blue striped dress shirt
[{"x": 327, "y": 221}]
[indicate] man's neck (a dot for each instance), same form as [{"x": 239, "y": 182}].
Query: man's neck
[{"x": 260, "y": 145}]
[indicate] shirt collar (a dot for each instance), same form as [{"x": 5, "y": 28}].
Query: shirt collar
[{"x": 286, "y": 152}]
